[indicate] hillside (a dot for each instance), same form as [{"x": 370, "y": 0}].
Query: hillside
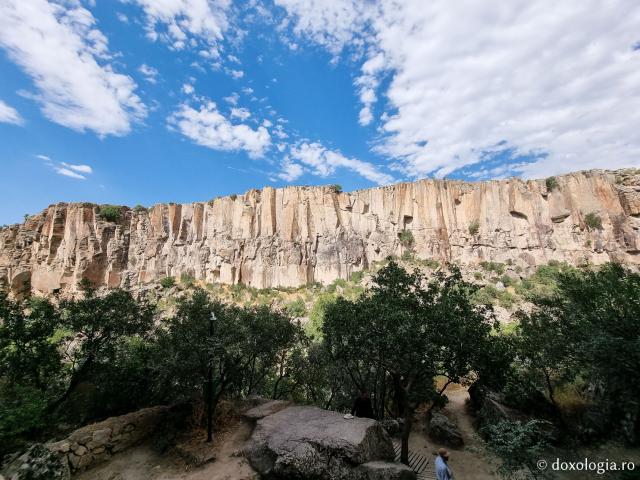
[{"x": 304, "y": 235}]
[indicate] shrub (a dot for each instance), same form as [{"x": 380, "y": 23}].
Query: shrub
[
  {"x": 296, "y": 308},
  {"x": 552, "y": 183},
  {"x": 407, "y": 256},
  {"x": 356, "y": 277},
  {"x": 109, "y": 213},
  {"x": 336, "y": 187},
  {"x": 139, "y": 209},
  {"x": 186, "y": 279},
  {"x": 168, "y": 282},
  {"x": 518, "y": 445},
  {"x": 493, "y": 267},
  {"x": 474, "y": 227},
  {"x": 593, "y": 221},
  {"x": 406, "y": 238}
]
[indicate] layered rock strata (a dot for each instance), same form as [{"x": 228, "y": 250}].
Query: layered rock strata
[{"x": 298, "y": 235}]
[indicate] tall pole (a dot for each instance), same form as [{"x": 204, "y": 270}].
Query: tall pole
[{"x": 212, "y": 319}]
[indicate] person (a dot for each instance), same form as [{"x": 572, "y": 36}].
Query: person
[
  {"x": 362, "y": 406},
  {"x": 443, "y": 472}
]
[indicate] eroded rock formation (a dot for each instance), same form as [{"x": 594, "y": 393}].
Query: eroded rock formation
[{"x": 297, "y": 235}]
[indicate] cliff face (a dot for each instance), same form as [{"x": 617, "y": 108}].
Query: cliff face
[{"x": 296, "y": 235}]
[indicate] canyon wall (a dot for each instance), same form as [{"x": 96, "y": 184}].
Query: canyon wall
[{"x": 297, "y": 235}]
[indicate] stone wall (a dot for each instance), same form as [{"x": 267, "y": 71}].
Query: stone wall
[
  {"x": 298, "y": 235},
  {"x": 95, "y": 443}
]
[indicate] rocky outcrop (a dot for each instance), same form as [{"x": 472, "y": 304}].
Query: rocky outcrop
[
  {"x": 37, "y": 462},
  {"x": 297, "y": 235},
  {"x": 308, "y": 442}
]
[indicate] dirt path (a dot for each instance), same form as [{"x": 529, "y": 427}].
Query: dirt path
[
  {"x": 143, "y": 462},
  {"x": 467, "y": 462}
]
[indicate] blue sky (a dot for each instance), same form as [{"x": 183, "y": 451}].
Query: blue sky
[{"x": 139, "y": 102}]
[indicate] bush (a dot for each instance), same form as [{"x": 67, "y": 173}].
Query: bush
[
  {"x": 186, "y": 279},
  {"x": 593, "y": 221},
  {"x": 296, "y": 308},
  {"x": 493, "y": 267},
  {"x": 168, "y": 282},
  {"x": 474, "y": 228},
  {"x": 109, "y": 213},
  {"x": 139, "y": 209},
  {"x": 518, "y": 445},
  {"x": 336, "y": 188},
  {"x": 552, "y": 183},
  {"x": 356, "y": 277},
  {"x": 406, "y": 238}
]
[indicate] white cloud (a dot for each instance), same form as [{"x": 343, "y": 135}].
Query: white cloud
[
  {"x": 242, "y": 114},
  {"x": 324, "y": 162},
  {"x": 78, "y": 168},
  {"x": 71, "y": 170},
  {"x": 9, "y": 114},
  {"x": 331, "y": 23},
  {"x": 291, "y": 171},
  {"x": 188, "y": 88},
  {"x": 69, "y": 173},
  {"x": 232, "y": 99},
  {"x": 555, "y": 79},
  {"x": 150, "y": 73},
  {"x": 206, "y": 126},
  {"x": 187, "y": 22},
  {"x": 122, "y": 17},
  {"x": 58, "y": 45},
  {"x": 237, "y": 74}
]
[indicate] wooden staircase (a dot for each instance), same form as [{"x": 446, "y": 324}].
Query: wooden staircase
[{"x": 417, "y": 462}]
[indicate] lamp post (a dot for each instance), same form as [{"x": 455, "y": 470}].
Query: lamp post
[{"x": 212, "y": 319}]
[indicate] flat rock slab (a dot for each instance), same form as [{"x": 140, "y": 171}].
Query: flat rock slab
[
  {"x": 311, "y": 443},
  {"x": 387, "y": 471},
  {"x": 265, "y": 409}
]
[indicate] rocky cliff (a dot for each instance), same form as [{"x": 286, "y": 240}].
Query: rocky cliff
[{"x": 297, "y": 235}]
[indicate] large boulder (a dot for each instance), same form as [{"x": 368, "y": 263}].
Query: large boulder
[
  {"x": 315, "y": 444},
  {"x": 36, "y": 463},
  {"x": 444, "y": 431}
]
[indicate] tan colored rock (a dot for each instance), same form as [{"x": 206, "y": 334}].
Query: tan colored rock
[{"x": 297, "y": 235}]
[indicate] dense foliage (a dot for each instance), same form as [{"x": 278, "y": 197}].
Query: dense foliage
[{"x": 571, "y": 360}]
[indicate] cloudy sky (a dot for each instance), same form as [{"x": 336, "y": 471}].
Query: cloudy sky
[{"x": 146, "y": 101}]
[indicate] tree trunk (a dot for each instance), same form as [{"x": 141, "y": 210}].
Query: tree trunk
[
  {"x": 76, "y": 378},
  {"x": 406, "y": 431}
]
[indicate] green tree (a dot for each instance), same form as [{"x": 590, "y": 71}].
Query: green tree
[
  {"x": 100, "y": 325},
  {"x": 551, "y": 183},
  {"x": 589, "y": 327},
  {"x": 404, "y": 332},
  {"x": 27, "y": 354},
  {"x": 520, "y": 446}
]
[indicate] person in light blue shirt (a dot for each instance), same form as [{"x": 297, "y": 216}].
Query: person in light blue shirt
[{"x": 443, "y": 472}]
